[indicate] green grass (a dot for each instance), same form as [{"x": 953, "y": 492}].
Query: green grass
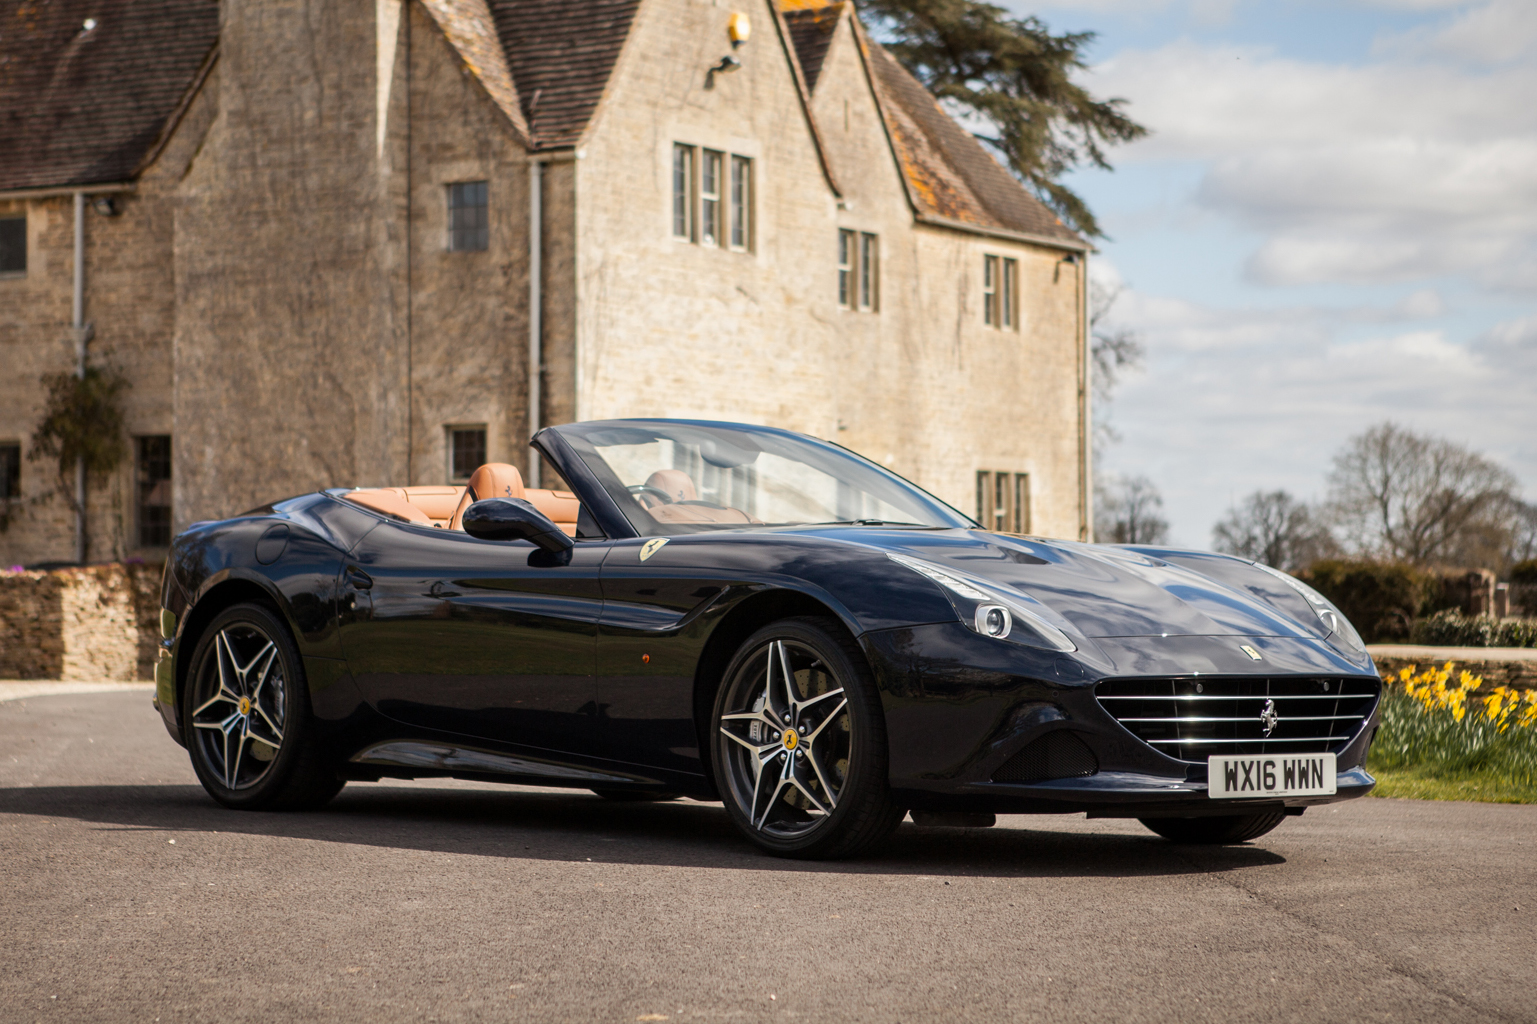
[{"x": 1432, "y": 756}]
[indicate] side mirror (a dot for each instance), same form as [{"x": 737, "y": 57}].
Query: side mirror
[{"x": 514, "y": 519}]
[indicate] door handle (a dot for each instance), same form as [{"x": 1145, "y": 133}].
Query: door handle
[{"x": 358, "y": 579}]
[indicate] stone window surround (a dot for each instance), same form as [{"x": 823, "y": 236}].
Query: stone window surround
[
  {"x": 449, "y": 439},
  {"x": 729, "y": 150}
]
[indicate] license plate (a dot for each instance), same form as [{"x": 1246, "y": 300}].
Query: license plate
[{"x": 1238, "y": 778}]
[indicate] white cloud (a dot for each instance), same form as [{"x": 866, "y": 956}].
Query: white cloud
[
  {"x": 1494, "y": 33},
  {"x": 1395, "y": 170},
  {"x": 1238, "y": 400}
]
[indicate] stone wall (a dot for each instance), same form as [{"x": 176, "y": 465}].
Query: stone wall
[
  {"x": 94, "y": 623},
  {"x": 1519, "y": 674}
]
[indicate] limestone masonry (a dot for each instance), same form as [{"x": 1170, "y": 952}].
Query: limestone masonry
[{"x": 326, "y": 238}]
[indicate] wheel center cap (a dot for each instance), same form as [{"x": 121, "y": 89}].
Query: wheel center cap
[
  {"x": 790, "y": 739},
  {"x": 245, "y": 705}
]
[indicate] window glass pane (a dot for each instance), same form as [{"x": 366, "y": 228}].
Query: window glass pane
[
  {"x": 1006, "y": 299},
  {"x": 469, "y": 227},
  {"x": 467, "y": 451},
  {"x": 869, "y": 271},
  {"x": 10, "y": 470},
  {"x": 153, "y": 491},
  {"x": 741, "y": 199},
  {"x": 682, "y": 191},
  {"x": 709, "y": 198},
  {"x": 846, "y": 269},
  {"x": 990, "y": 290},
  {"x": 13, "y": 245}
]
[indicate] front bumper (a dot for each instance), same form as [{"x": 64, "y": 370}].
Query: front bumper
[{"x": 959, "y": 706}]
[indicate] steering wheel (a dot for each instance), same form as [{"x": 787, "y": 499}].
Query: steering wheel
[
  {"x": 639, "y": 489},
  {"x": 701, "y": 501}
]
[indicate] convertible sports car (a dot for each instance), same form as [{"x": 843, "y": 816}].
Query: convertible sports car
[{"x": 751, "y": 615}]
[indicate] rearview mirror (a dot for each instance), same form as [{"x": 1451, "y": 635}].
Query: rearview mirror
[{"x": 514, "y": 519}]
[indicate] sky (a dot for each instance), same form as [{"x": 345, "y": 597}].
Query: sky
[{"x": 1332, "y": 224}]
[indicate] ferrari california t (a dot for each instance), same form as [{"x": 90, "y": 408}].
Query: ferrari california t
[{"x": 750, "y": 615}]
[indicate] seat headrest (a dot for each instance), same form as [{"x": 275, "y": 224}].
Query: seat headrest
[
  {"x": 678, "y": 484},
  {"x": 492, "y": 480},
  {"x": 496, "y": 480}
]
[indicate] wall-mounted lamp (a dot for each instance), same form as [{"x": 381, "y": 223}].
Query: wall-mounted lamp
[
  {"x": 727, "y": 63},
  {"x": 105, "y": 205},
  {"x": 739, "y": 28}
]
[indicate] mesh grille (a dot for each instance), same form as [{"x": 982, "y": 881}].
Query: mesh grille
[
  {"x": 1057, "y": 755},
  {"x": 1190, "y": 719}
]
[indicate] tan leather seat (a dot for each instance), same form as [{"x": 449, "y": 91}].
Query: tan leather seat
[
  {"x": 493, "y": 480},
  {"x": 438, "y": 501},
  {"x": 699, "y": 514},
  {"x": 391, "y": 502},
  {"x": 560, "y": 507}
]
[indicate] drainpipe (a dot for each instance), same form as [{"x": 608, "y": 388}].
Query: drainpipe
[
  {"x": 1085, "y": 407},
  {"x": 535, "y": 307},
  {"x": 82, "y": 336},
  {"x": 536, "y": 164}
]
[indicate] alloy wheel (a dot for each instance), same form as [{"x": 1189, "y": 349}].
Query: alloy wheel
[
  {"x": 240, "y": 706},
  {"x": 786, "y": 738}
]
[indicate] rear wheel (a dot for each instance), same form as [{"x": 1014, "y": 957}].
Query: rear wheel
[
  {"x": 799, "y": 743},
  {"x": 1213, "y": 831},
  {"x": 247, "y": 716}
]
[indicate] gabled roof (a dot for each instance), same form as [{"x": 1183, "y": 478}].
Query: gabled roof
[
  {"x": 811, "y": 29},
  {"x": 85, "y": 106},
  {"x": 561, "y": 54},
  {"x": 951, "y": 179},
  {"x": 471, "y": 31}
]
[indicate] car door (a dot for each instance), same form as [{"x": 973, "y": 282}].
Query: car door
[
  {"x": 656, "y": 613},
  {"x": 490, "y": 639}
]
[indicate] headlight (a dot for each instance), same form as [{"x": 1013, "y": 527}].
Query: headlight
[
  {"x": 990, "y": 609},
  {"x": 1330, "y": 616}
]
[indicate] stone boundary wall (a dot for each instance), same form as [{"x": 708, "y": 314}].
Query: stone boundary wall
[
  {"x": 1521, "y": 675},
  {"x": 93, "y": 623}
]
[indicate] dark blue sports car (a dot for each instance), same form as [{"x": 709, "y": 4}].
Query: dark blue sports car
[{"x": 751, "y": 615}]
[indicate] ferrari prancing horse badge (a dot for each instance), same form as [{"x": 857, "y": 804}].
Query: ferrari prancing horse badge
[{"x": 651, "y": 547}]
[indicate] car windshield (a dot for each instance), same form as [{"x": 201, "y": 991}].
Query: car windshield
[{"x": 678, "y": 477}]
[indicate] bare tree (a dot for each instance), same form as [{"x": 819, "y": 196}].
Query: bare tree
[
  {"x": 1274, "y": 528},
  {"x": 1115, "y": 350},
  {"x": 1126, "y": 512},
  {"x": 1421, "y": 499}
]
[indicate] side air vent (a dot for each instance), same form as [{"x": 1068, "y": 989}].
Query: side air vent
[
  {"x": 1192, "y": 718},
  {"x": 1057, "y": 755}
]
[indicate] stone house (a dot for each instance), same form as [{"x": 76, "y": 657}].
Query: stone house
[{"x": 331, "y": 242}]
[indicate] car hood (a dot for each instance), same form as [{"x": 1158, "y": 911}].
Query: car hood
[{"x": 1107, "y": 591}]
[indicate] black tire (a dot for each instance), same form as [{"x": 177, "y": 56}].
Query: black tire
[
  {"x": 251, "y": 736},
  {"x": 1215, "y": 831},
  {"x": 632, "y": 796},
  {"x": 842, "y": 762}
]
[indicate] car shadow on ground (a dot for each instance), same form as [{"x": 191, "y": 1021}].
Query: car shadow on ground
[{"x": 576, "y": 826}]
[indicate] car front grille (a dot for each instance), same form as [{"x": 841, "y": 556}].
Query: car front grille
[{"x": 1191, "y": 718}]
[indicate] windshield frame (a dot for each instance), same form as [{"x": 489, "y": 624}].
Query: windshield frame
[{"x": 578, "y": 458}]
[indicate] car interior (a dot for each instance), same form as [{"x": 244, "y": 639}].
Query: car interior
[{"x": 443, "y": 505}]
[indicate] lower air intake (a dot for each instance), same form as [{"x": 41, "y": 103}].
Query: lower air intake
[{"x": 1057, "y": 755}]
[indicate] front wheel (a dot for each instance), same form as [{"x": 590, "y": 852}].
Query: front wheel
[
  {"x": 799, "y": 743},
  {"x": 247, "y": 718},
  {"x": 1215, "y": 831}
]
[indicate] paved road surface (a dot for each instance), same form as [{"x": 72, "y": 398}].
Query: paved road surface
[{"x": 127, "y": 895}]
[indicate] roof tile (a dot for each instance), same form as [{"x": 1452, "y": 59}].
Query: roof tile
[{"x": 86, "y": 106}]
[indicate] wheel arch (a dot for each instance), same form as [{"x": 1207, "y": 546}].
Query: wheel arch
[
  {"x": 745, "y": 618},
  {"x": 230, "y": 589}
]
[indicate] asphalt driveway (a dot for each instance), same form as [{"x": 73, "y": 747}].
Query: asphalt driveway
[{"x": 127, "y": 895}]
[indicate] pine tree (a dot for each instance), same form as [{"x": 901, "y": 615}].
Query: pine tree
[{"x": 1017, "y": 77}]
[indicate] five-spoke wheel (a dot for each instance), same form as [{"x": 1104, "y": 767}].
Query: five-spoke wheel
[
  {"x": 246, "y": 710},
  {"x": 799, "y": 751}
]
